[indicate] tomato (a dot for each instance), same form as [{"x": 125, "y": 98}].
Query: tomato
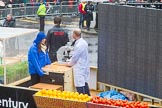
[
  {"x": 97, "y": 97},
  {"x": 108, "y": 102},
  {"x": 103, "y": 101},
  {"x": 96, "y": 101},
  {"x": 93, "y": 100},
  {"x": 120, "y": 103}
]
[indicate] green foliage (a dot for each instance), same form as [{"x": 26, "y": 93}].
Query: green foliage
[
  {"x": 1, "y": 70},
  {"x": 15, "y": 71}
]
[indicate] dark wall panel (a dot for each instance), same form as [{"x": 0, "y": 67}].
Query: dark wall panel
[{"x": 130, "y": 48}]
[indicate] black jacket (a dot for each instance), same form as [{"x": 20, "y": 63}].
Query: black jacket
[
  {"x": 89, "y": 8},
  {"x": 56, "y": 38},
  {"x": 11, "y": 23}
]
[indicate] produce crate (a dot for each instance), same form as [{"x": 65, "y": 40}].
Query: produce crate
[
  {"x": 46, "y": 102},
  {"x": 59, "y": 75},
  {"x": 94, "y": 105},
  {"x": 47, "y": 86}
]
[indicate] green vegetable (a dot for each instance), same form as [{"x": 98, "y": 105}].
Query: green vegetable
[{"x": 15, "y": 71}]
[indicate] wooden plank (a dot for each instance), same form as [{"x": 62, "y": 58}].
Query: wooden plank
[
  {"x": 106, "y": 88},
  {"x": 140, "y": 94},
  {"x": 18, "y": 87},
  {"x": 56, "y": 68},
  {"x": 19, "y": 81},
  {"x": 62, "y": 69},
  {"x": 160, "y": 103},
  {"x": 47, "y": 86},
  {"x": 98, "y": 86},
  {"x": 94, "y": 92},
  {"x": 69, "y": 81},
  {"x": 155, "y": 106},
  {"x": 94, "y": 68},
  {"x": 93, "y": 78},
  {"x": 139, "y": 98},
  {"x": 152, "y": 101}
]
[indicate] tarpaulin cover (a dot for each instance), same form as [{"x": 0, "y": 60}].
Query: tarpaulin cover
[{"x": 112, "y": 94}]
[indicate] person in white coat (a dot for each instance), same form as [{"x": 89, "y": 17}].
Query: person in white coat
[{"x": 80, "y": 63}]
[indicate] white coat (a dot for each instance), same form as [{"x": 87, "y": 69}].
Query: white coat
[{"x": 80, "y": 63}]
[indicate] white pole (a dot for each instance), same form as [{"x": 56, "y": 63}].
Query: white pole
[{"x": 4, "y": 54}]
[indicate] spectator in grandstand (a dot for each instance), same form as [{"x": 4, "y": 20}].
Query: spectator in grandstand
[
  {"x": 2, "y": 4},
  {"x": 89, "y": 8},
  {"x": 82, "y": 13},
  {"x": 17, "y": 1},
  {"x": 56, "y": 38},
  {"x": 41, "y": 12},
  {"x": 32, "y": 2},
  {"x": 56, "y": 2},
  {"x": 9, "y": 3},
  {"x": 23, "y": 1},
  {"x": 9, "y": 21},
  {"x": 38, "y": 58}
]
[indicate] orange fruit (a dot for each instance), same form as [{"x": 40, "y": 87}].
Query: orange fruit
[
  {"x": 79, "y": 97},
  {"x": 38, "y": 94},
  {"x": 43, "y": 91},
  {"x": 76, "y": 93},
  {"x": 75, "y": 96},
  {"x": 86, "y": 95},
  {"x": 58, "y": 94},
  {"x": 49, "y": 92}
]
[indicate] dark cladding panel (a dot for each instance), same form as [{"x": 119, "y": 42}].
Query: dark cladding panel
[
  {"x": 130, "y": 48},
  {"x": 102, "y": 41}
]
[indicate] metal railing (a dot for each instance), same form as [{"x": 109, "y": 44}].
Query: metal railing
[
  {"x": 64, "y": 8},
  {"x": 31, "y": 9}
]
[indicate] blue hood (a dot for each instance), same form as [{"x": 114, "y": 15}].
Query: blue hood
[{"x": 39, "y": 38}]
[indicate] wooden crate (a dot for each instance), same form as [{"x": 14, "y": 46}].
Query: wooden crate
[
  {"x": 94, "y": 105},
  {"x": 45, "y": 102},
  {"x": 63, "y": 72},
  {"x": 47, "y": 86},
  {"x": 153, "y": 101},
  {"x": 93, "y": 78}
]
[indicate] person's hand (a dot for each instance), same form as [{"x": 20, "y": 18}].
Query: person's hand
[
  {"x": 46, "y": 73},
  {"x": 67, "y": 64},
  {"x": 62, "y": 63},
  {"x": 47, "y": 65}
]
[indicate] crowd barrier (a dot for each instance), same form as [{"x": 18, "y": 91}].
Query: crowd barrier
[
  {"x": 63, "y": 8},
  {"x": 31, "y": 9}
]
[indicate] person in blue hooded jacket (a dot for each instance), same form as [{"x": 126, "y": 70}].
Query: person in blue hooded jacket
[{"x": 38, "y": 57}]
